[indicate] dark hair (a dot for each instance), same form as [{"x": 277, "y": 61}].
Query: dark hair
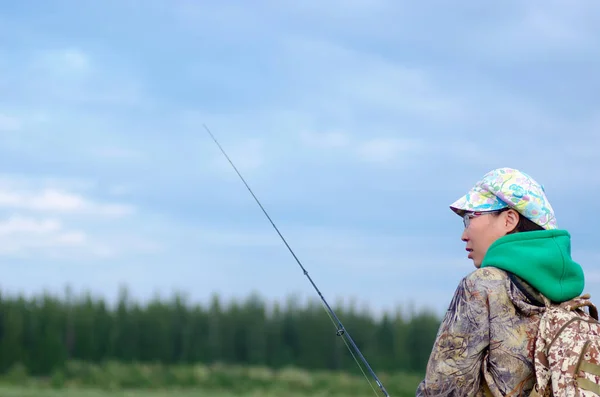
[{"x": 524, "y": 225}]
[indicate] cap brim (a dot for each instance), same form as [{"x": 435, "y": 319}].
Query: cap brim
[
  {"x": 477, "y": 200},
  {"x": 460, "y": 206}
]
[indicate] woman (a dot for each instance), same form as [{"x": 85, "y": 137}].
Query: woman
[{"x": 485, "y": 344}]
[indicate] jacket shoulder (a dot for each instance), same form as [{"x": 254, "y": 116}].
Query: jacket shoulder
[{"x": 490, "y": 274}]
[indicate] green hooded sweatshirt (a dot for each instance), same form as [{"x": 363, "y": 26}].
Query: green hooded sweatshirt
[{"x": 541, "y": 258}]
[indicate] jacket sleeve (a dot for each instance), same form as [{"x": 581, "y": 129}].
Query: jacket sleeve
[{"x": 455, "y": 364}]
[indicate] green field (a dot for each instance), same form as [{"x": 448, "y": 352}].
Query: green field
[
  {"x": 84, "y": 379},
  {"x": 16, "y": 391}
]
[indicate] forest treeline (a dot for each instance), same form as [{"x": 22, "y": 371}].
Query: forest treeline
[{"x": 45, "y": 332}]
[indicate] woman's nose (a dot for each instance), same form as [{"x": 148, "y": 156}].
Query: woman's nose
[{"x": 464, "y": 236}]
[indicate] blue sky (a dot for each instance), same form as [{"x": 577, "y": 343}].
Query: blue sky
[{"x": 356, "y": 123}]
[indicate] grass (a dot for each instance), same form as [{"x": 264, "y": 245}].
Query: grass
[
  {"x": 24, "y": 391},
  {"x": 111, "y": 379},
  {"x": 16, "y": 391}
]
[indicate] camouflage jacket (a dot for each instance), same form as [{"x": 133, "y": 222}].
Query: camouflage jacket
[{"x": 485, "y": 344}]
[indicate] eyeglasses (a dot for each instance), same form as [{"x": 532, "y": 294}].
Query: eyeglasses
[{"x": 470, "y": 215}]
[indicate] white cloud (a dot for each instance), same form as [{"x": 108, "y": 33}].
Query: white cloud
[
  {"x": 344, "y": 81},
  {"x": 77, "y": 76},
  {"x": 75, "y": 60},
  {"x": 21, "y": 182},
  {"x": 71, "y": 238},
  {"x": 46, "y": 237},
  {"x": 8, "y": 123},
  {"x": 329, "y": 139},
  {"x": 247, "y": 156},
  {"x": 386, "y": 150},
  {"x": 52, "y": 200},
  {"x": 18, "y": 224},
  {"x": 561, "y": 23},
  {"x": 67, "y": 62},
  {"x": 327, "y": 247},
  {"x": 117, "y": 153},
  {"x": 378, "y": 150},
  {"x": 38, "y": 210},
  {"x": 118, "y": 245},
  {"x": 120, "y": 190},
  {"x": 22, "y": 235},
  {"x": 533, "y": 30}
]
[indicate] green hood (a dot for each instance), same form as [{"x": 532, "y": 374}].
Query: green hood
[{"x": 541, "y": 258}]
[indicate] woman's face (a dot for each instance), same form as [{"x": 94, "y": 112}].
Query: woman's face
[{"x": 483, "y": 228}]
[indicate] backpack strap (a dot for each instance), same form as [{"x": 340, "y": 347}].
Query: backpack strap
[
  {"x": 535, "y": 392},
  {"x": 575, "y": 304},
  {"x": 580, "y": 302}
]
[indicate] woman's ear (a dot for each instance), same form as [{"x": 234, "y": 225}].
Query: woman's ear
[{"x": 511, "y": 220}]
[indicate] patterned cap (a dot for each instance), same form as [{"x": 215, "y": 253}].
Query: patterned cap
[{"x": 508, "y": 187}]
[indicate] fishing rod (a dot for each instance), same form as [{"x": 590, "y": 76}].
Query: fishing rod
[{"x": 341, "y": 330}]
